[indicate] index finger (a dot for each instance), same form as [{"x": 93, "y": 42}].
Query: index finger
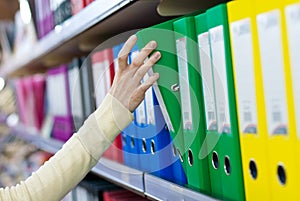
[{"x": 124, "y": 52}]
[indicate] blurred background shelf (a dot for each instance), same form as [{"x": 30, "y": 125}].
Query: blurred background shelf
[
  {"x": 99, "y": 21},
  {"x": 31, "y": 136},
  {"x": 83, "y": 32}
]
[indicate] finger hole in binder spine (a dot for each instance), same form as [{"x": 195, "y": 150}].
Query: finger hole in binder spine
[
  {"x": 215, "y": 160},
  {"x": 144, "y": 145},
  {"x": 281, "y": 174},
  {"x": 253, "y": 169},
  {"x": 190, "y": 158},
  {"x": 153, "y": 150},
  {"x": 132, "y": 143},
  {"x": 227, "y": 168}
]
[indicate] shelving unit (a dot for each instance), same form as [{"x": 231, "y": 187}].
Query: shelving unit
[
  {"x": 140, "y": 182},
  {"x": 76, "y": 37},
  {"x": 83, "y": 32}
]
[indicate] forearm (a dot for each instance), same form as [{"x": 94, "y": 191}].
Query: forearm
[{"x": 69, "y": 165}]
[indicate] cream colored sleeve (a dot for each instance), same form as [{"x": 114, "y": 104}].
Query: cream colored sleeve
[{"x": 79, "y": 154}]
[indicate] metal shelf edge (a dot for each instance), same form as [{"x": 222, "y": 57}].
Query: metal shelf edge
[
  {"x": 160, "y": 189},
  {"x": 64, "y": 32},
  {"x": 120, "y": 174}
]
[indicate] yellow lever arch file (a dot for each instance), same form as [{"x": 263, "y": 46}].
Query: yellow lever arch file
[
  {"x": 253, "y": 138},
  {"x": 275, "y": 93}
]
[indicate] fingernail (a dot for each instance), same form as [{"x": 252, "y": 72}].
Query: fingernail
[
  {"x": 133, "y": 37},
  {"x": 153, "y": 44},
  {"x": 157, "y": 55}
]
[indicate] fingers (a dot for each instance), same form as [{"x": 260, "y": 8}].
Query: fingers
[
  {"x": 145, "y": 68},
  {"x": 144, "y": 53},
  {"x": 124, "y": 52},
  {"x": 147, "y": 84}
]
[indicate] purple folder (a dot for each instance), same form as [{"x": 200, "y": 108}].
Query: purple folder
[
  {"x": 44, "y": 17},
  {"x": 59, "y": 106}
]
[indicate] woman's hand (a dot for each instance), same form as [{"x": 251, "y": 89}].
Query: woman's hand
[{"x": 127, "y": 86}]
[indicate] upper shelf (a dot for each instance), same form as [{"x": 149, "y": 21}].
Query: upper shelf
[
  {"x": 99, "y": 21},
  {"x": 80, "y": 34}
]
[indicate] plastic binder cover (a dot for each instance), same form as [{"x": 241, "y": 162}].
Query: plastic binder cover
[
  {"x": 156, "y": 155},
  {"x": 167, "y": 88},
  {"x": 253, "y": 136},
  {"x": 291, "y": 10},
  {"x": 212, "y": 136},
  {"x": 229, "y": 156},
  {"x": 191, "y": 104},
  {"x": 278, "y": 110}
]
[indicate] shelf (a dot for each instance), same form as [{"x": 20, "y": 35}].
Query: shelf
[
  {"x": 83, "y": 32},
  {"x": 160, "y": 189},
  {"x": 121, "y": 175},
  {"x": 135, "y": 180},
  {"x": 31, "y": 136}
]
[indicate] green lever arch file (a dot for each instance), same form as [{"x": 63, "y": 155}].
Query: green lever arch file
[
  {"x": 212, "y": 136},
  {"x": 191, "y": 104},
  {"x": 167, "y": 88},
  {"x": 228, "y": 147}
]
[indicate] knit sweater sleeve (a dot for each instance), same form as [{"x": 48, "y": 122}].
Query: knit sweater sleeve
[{"x": 74, "y": 160}]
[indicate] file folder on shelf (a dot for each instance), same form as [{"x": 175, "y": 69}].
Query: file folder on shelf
[
  {"x": 130, "y": 146},
  {"x": 279, "y": 112},
  {"x": 191, "y": 104},
  {"x": 103, "y": 73},
  {"x": 76, "y": 93},
  {"x": 77, "y": 6},
  {"x": 167, "y": 88},
  {"x": 253, "y": 138},
  {"x": 155, "y": 141},
  {"x": 291, "y": 9},
  {"x": 212, "y": 135},
  {"x": 88, "y": 86},
  {"x": 230, "y": 164},
  {"x": 25, "y": 101},
  {"x": 39, "y": 90},
  {"x": 61, "y": 10},
  {"x": 59, "y": 103},
  {"x": 292, "y": 19},
  {"x": 87, "y": 2},
  {"x": 43, "y": 17}
]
